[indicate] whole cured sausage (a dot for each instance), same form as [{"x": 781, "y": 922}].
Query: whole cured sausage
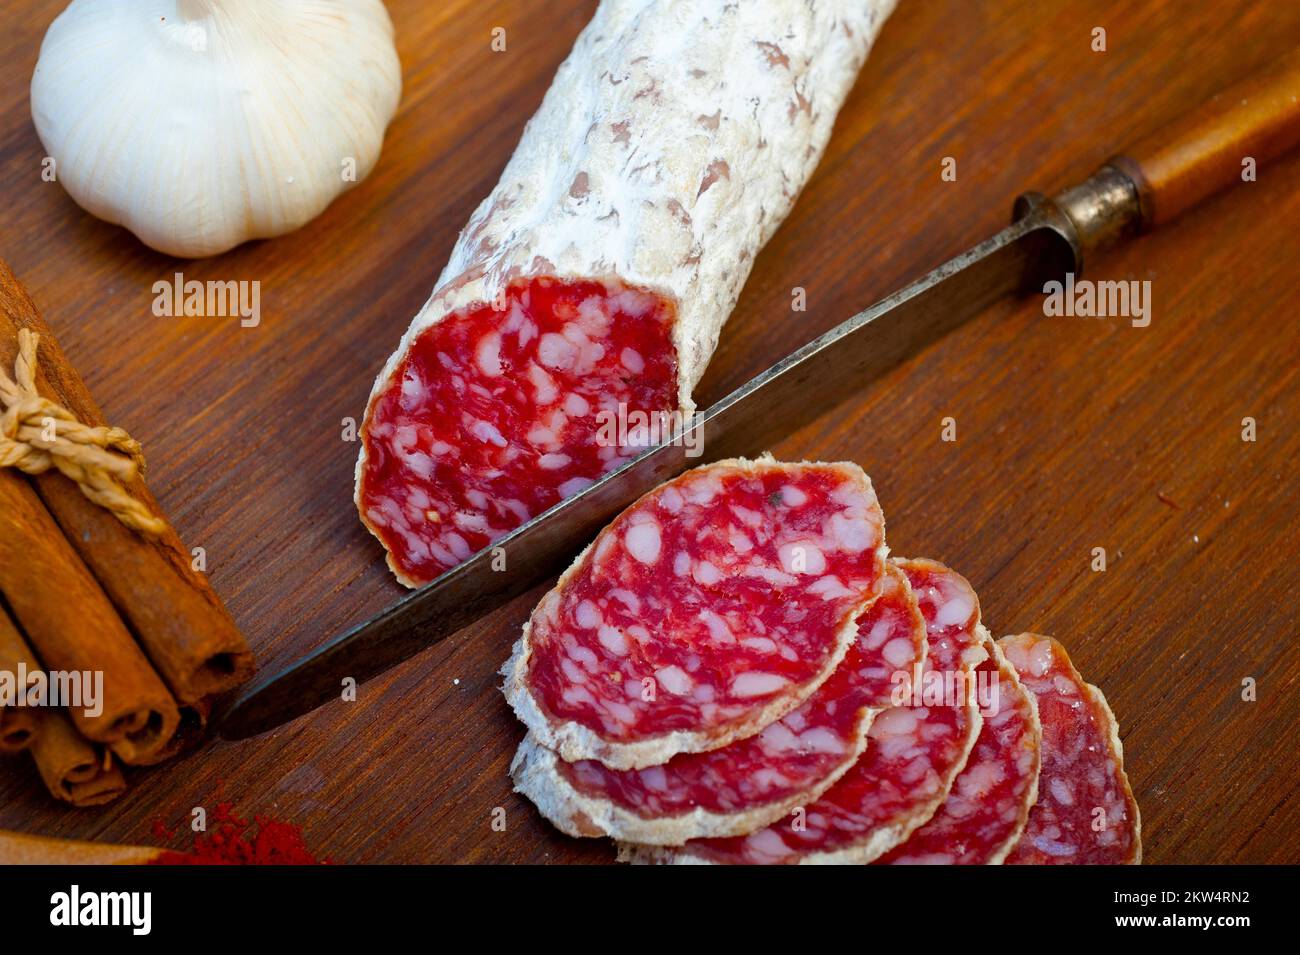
[
  {"x": 586, "y": 294},
  {"x": 914, "y": 752},
  {"x": 1085, "y": 813},
  {"x": 753, "y": 781},
  {"x": 985, "y": 812},
  {"x": 710, "y": 608}
]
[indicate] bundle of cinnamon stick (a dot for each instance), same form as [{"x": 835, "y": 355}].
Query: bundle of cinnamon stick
[{"x": 86, "y": 596}]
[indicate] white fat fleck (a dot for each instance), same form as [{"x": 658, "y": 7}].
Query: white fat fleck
[
  {"x": 879, "y": 633},
  {"x": 821, "y": 739},
  {"x": 414, "y": 391},
  {"x": 770, "y": 574},
  {"x": 633, "y": 302},
  {"x": 899, "y": 652},
  {"x": 739, "y": 541},
  {"x": 654, "y": 778},
  {"x": 613, "y": 640},
  {"x": 792, "y": 496},
  {"x": 587, "y": 615},
  {"x": 896, "y": 721},
  {"x": 717, "y": 627},
  {"x": 419, "y": 463},
  {"x": 488, "y": 355},
  {"x": 404, "y": 437},
  {"x": 671, "y": 500},
  {"x": 767, "y": 844},
  {"x": 627, "y": 598},
  {"x": 643, "y": 542},
  {"x": 830, "y": 587},
  {"x": 544, "y": 387},
  {"x": 778, "y": 738},
  {"x": 674, "y": 680},
  {"x": 1061, "y": 792},
  {"x": 706, "y": 574},
  {"x": 623, "y": 713},
  {"x": 854, "y": 535},
  {"x": 681, "y": 563},
  {"x": 574, "y": 485},
  {"x": 1040, "y": 657},
  {"x": 756, "y": 683},
  {"x": 556, "y": 352},
  {"x": 459, "y": 546},
  {"x": 485, "y": 431},
  {"x": 702, "y": 489},
  {"x": 802, "y": 557},
  {"x": 954, "y": 611},
  {"x": 631, "y": 359},
  {"x": 576, "y": 406},
  {"x": 553, "y": 462},
  {"x": 760, "y": 644}
]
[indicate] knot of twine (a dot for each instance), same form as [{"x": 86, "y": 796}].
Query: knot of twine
[{"x": 37, "y": 434}]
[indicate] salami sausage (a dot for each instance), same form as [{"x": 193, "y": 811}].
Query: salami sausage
[
  {"x": 587, "y": 292},
  {"x": 711, "y": 607},
  {"x": 754, "y": 781},
  {"x": 985, "y": 812},
  {"x": 914, "y": 752},
  {"x": 1085, "y": 813}
]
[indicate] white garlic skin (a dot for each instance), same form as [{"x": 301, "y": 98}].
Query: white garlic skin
[{"x": 201, "y": 124}]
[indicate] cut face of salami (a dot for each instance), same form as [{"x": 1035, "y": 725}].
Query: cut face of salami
[
  {"x": 913, "y": 754},
  {"x": 600, "y": 270},
  {"x": 711, "y": 607},
  {"x": 500, "y": 414},
  {"x": 985, "y": 812},
  {"x": 753, "y": 781},
  {"x": 1085, "y": 813}
]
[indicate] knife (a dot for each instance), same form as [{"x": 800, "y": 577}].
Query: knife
[{"x": 1201, "y": 154}]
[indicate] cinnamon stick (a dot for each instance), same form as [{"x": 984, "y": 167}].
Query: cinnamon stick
[
  {"x": 74, "y": 770},
  {"x": 190, "y": 731},
  {"x": 18, "y": 724},
  {"x": 172, "y": 609},
  {"x": 19, "y": 848},
  {"x": 72, "y": 627}
]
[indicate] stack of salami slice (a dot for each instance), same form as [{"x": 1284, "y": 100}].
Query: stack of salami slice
[{"x": 735, "y": 671}]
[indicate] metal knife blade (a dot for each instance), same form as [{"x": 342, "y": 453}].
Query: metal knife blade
[{"x": 794, "y": 391}]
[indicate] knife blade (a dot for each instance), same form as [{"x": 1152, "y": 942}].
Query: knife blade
[
  {"x": 792, "y": 392},
  {"x": 1166, "y": 174}
]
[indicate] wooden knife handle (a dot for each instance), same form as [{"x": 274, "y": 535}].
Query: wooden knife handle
[{"x": 1204, "y": 152}]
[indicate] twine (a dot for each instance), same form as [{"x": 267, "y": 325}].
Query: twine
[{"x": 37, "y": 434}]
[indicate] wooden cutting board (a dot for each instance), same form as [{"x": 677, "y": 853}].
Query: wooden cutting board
[{"x": 1072, "y": 433}]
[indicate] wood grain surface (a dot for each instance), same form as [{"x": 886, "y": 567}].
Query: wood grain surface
[{"x": 1072, "y": 433}]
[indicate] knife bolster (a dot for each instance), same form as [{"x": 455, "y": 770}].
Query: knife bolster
[{"x": 1104, "y": 208}]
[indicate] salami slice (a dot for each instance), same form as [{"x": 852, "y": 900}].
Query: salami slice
[
  {"x": 586, "y": 294},
  {"x": 985, "y": 812},
  {"x": 711, "y": 607},
  {"x": 1085, "y": 813},
  {"x": 914, "y": 752},
  {"x": 754, "y": 781}
]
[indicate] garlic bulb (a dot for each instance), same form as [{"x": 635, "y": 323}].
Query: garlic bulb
[{"x": 199, "y": 124}]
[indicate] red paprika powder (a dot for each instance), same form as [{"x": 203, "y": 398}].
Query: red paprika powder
[{"x": 268, "y": 841}]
